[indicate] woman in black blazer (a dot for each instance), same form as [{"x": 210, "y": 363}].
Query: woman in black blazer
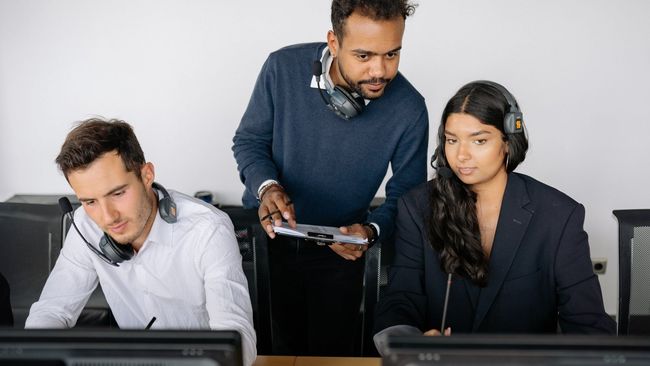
[{"x": 515, "y": 247}]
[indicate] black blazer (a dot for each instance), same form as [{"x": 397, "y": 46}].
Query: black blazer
[{"x": 539, "y": 272}]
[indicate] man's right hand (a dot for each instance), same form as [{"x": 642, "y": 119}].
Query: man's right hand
[{"x": 275, "y": 205}]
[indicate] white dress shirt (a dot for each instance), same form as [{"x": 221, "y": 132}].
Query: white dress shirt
[{"x": 187, "y": 274}]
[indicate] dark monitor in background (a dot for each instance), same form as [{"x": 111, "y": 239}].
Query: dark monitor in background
[
  {"x": 113, "y": 347},
  {"x": 485, "y": 349}
]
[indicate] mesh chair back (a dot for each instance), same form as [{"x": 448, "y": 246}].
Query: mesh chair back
[{"x": 634, "y": 272}]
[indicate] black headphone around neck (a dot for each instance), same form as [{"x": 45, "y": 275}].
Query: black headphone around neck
[
  {"x": 341, "y": 101},
  {"x": 513, "y": 121},
  {"x": 112, "y": 252}
]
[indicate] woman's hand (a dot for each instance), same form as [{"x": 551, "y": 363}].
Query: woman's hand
[{"x": 436, "y": 332}]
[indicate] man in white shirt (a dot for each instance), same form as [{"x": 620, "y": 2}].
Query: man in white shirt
[{"x": 177, "y": 262}]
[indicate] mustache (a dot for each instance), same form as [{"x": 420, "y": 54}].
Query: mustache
[{"x": 374, "y": 81}]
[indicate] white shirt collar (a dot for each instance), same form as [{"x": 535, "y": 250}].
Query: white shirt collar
[{"x": 328, "y": 65}]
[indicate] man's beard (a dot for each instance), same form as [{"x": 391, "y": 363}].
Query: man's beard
[{"x": 356, "y": 87}]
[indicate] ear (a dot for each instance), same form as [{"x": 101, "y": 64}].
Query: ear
[
  {"x": 148, "y": 174},
  {"x": 332, "y": 43}
]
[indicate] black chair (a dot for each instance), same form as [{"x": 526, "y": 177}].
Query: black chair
[
  {"x": 378, "y": 258},
  {"x": 33, "y": 229},
  {"x": 634, "y": 271},
  {"x": 31, "y": 242},
  {"x": 253, "y": 246}
]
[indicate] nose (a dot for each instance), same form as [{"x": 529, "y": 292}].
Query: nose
[
  {"x": 463, "y": 153},
  {"x": 109, "y": 214},
  {"x": 377, "y": 67}
]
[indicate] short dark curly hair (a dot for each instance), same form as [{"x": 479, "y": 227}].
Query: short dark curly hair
[
  {"x": 92, "y": 138},
  {"x": 375, "y": 9}
]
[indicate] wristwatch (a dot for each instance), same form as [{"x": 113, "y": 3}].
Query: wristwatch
[{"x": 375, "y": 234}]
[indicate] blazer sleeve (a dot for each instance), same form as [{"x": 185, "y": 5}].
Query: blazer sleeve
[
  {"x": 580, "y": 301},
  {"x": 404, "y": 302}
]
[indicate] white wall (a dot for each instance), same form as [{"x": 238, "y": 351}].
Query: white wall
[{"x": 181, "y": 73}]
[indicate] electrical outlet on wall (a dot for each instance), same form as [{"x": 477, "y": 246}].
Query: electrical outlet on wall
[{"x": 599, "y": 265}]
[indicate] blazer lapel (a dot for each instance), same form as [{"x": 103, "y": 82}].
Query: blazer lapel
[{"x": 511, "y": 227}]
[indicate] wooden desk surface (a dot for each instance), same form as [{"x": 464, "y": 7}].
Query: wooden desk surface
[{"x": 315, "y": 361}]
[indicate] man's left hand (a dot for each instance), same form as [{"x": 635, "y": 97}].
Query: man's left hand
[{"x": 352, "y": 251}]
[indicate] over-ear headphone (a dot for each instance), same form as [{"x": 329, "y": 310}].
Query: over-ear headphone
[
  {"x": 343, "y": 102},
  {"x": 112, "y": 252},
  {"x": 166, "y": 205},
  {"x": 513, "y": 121}
]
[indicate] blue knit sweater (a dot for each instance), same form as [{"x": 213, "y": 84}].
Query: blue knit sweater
[{"x": 331, "y": 168}]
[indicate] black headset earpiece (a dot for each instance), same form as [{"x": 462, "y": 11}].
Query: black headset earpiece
[
  {"x": 513, "y": 121},
  {"x": 116, "y": 253},
  {"x": 166, "y": 205},
  {"x": 341, "y": 101}
]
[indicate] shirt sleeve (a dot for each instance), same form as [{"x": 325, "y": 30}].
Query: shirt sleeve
[
  {"x": 580, "y": 301},
  {"x": 254, "y": 136},
  {"x": 409, "y": 167},
  {"x": 67, "y": 289},
  {"x": 227, "y": 298}
]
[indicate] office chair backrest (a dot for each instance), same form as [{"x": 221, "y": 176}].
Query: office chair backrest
[
  {"x": 634, "y": 271},
  {"x": 253, "y": 246}
]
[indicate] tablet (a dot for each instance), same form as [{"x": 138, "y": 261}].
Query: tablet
[{"x": 324, "y": 234}]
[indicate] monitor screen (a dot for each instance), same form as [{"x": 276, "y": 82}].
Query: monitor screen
[
  {"x": 483, "y": 350},
  {"x": 115, "y": 347}
]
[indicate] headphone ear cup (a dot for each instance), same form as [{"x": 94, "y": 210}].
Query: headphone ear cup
[
  {"x": 344, "y": 102},
  {"x": 513, "y": 122},
  {"x": 167, "y": 209},
  {"x": 117, "y": 253}
]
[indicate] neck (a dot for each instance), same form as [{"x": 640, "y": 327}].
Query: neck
[
  {"x": 492, "y": 191},
  {"x": 153, "y": 200},
  {"x": 335, "y": 74}
]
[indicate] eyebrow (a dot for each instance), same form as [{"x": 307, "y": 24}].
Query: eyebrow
[
  {"x": 118, "y": 188},
  {"x": 371, "y": 53},
  {"x": 477, "y": 133}
]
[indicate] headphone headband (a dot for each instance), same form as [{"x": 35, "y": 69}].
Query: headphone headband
[{"x": 166, "y": 205}]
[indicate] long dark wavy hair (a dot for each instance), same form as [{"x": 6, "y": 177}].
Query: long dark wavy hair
[{"x": 453, "y": 223}]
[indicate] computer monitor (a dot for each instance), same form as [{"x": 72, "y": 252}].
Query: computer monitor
[
  {"x": 483, "y": 350},
  {"x": 113, "y": 347}
]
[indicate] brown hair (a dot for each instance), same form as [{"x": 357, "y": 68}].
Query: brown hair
[{"x": 94, "y": 137}]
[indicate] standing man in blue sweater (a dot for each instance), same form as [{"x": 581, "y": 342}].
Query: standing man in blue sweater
[{"x": 324, "y": 123}]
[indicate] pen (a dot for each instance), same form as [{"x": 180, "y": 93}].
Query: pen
[
  {"x": 269, "y": 215},
  {"x": 266, "y": 217},
  {"x": 150, "y": 323}
]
